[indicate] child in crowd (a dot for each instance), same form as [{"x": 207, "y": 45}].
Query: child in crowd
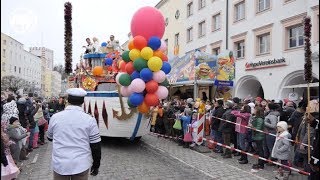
[
  {"x": 281, "y": 149},
  {"x": 16, "y": 133},
  {"x": 258, "y": 137}
]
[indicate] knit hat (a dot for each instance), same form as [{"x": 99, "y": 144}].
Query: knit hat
[
  {"x": 13, "y": 119},
  {"x": 283, "y": 125},
  {"x": 259, "y": 99}
]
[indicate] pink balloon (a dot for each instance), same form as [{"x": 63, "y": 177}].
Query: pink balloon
[
  {"x": 117, "y": 77},
  {"x": 159, "y": 76},
  {"x": 125, "y": 91},
  {"x": 162, "y": 92},
  {"x": 137, "y": 85},
  {"x": 148, "y": 22},
  {"x": 163, "y": 46}
]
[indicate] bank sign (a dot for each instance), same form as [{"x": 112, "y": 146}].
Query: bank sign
[{"x": 266, "y": 64}]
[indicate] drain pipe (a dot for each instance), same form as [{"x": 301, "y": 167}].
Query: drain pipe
[{"x": 227, "y": 24}]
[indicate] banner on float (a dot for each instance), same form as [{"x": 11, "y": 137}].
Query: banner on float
[
  {"x": 226, "y": 69},
  {"x": 223, "y": 83}
]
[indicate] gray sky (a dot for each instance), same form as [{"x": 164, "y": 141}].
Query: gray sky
[{"x": 41, "y": 22}]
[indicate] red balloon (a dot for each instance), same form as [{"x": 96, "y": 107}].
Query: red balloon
[
  {"x": 148, "y": 22},
  {"x": 151, "y": 99},
  {"x": 152, "y": 86},
  {"x": 139, "y": 42},
  {"x": 164, "y": 58},
  {"x": 129, "y": 67},
  {"x": 122, "y": 65}
]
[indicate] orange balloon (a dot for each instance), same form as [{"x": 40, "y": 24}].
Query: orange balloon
[
  {"x": 165, "y": 57},
  {"x": 131, "y": 45},
  {"x": 143, "y": 108},
  {"x": 159, "y": 54},
  {"x": 97, "y": 71}
]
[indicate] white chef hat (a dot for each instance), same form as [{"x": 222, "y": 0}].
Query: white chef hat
[{"x": 77, "y": 92}]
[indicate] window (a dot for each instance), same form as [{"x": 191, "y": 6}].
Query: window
[
  {"x": 176, "y": 39},
  {"x": 4, "y": 42},
  {"x": 202, "y": 4},
  {"x": 202, "y": 29},
  {"x": 166, "y": 41},
  {"x": 190, "y": 34},
  {"x": 216, "y": 51},
  {"x": 263, "y": 5},
  {"x": 295, "y": 36},
  {"x": 15, "y": 68},
  {"x": 10, "y": 68},
  {"x": 216, "y": 20},
  {"x": 239, "y": 11},
  {"x": 264, "y": 43},
  {"x": 240, "y": 49},
  {"x": 19, "y": 70},
  {"x": 3, "y": 66},
  {"x": 190, "y": 9},
  {"x": 3, "y": 52}
]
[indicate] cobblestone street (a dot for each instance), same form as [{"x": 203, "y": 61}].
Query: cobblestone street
[{"x": 152, "y": 158}]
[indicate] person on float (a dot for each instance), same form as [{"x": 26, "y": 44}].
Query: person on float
[{"x": 76, "y": 140}]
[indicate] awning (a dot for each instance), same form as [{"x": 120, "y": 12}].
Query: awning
[{"x": 316, "y": 84}]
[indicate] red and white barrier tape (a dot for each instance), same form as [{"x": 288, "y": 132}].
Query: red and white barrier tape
[
  {"x": 242, "y": 152},
  {"x": 265, "y": 132}
]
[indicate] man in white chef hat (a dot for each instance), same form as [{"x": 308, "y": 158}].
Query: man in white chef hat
[{"x": 76, "y": 140}]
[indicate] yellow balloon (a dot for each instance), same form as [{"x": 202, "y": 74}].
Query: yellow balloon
[
  {"x": 146, "y": 53},
  {"x": 134, "y": 54},
  {"x": 155, "y": 64}
]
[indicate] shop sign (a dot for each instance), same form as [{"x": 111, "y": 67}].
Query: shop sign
[
  {"x": 223, "y": 83},
  {"x": 266, "y": 64}
]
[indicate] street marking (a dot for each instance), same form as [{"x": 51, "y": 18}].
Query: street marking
[
  {"x": 206, "y": 157},
  {"x": 35, "y": 159}
]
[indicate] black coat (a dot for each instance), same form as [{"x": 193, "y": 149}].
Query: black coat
[
  {"x": 295, "y": 121},
  {"x": 315, "y": 154},
  {"x": 226, "y": 127},
  {"x": 216, "y": 122}
]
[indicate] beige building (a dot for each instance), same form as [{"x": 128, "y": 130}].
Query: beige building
[
  {"x": 55, "y": 83},
  {"x": 16, "y": 61}
]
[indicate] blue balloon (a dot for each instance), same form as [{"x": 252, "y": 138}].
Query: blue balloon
[
  {"x": 109, "y": 61},
  {"x": 135, "y": 75},
  {"x": 104, "y": 44},
  {"x": 154, "y": 43},
  {"x": 166, "y": 67},
  {"x": 136, "y": 99},
  {"x": 146, "y": 74}
]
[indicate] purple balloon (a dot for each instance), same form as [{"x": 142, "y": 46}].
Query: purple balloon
[
  {"x": 163, "y": 46},
  {"x": 137, "y": 85},
  {"x": 159, "y": 76},
  {"x": 125, "y": 91}
]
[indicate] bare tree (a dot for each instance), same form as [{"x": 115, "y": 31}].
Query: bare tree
[
  {"x": 60, "y": 68},
  {"x": 13, "y": 83}
]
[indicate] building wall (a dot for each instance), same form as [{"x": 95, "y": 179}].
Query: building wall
[
  {"x": 48, "y": 84},
  {"x": 18, "y": 62},
  {"x": 175, "y": 16},
  {"x": 56, "y": 83}
]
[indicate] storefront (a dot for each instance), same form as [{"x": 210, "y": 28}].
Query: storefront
[{"x": 276, "y": 78}]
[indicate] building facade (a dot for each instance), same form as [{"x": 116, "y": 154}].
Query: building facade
[
  {"x": 266, "y": 40},
  {"x": 55, "y": 83},
  {"x": 18, "y": 62},
  {"x": 46, "y": 56}
]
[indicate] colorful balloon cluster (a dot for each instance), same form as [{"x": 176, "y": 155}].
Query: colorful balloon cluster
[{"x": 145, "y": 64}]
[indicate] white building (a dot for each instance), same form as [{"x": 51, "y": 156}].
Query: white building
[
  {"x": 266, "y": 34},
  {"x": 55, "y": 83},
  {"x": 18, "y": 62}
]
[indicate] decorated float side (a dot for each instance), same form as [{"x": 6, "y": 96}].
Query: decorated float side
[{"x": 123, "y": 87}]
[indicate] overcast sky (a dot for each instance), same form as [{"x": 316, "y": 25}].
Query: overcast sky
[{"x": 41, "y": 22}]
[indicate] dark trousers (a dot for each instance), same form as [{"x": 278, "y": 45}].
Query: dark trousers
[
  {"x": 31, "y": 138},
  {"x": 41, "y": 132},
  {"x": 260, "y": 152},
  {"x": 227, "y": 140},
  {"x": 234, "y": 139},
  {"x": 81, "y": 176}
]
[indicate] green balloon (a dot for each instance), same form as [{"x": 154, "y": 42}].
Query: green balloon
[
  {"x": 139, "y": 64},
  {"x": 165, "y": 83},
  {"x": 125, "y": 80},
  {"x": 125, "y": 56}
]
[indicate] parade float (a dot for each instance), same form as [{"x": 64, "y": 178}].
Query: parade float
[{"x": 123, "y": 87}]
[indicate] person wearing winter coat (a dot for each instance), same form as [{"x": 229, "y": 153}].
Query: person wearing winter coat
[
  {"x": 21, "y": 105},
  {"x": 16, "y": 134},
  {"x": 9, "y": 109},
  {"x": 242, "y": 120},
  {"x": 270, "y": 124},
  {"x": 32, "y": 109},
  {"x": 258, "y": 137},
  {"x": 215, "y": 123},
  {"x": 226, "y": 128},
  {"x": 296, "y": 119},
  {"x": 281, "y": 149},
  {"x": 313, "y": 119}
]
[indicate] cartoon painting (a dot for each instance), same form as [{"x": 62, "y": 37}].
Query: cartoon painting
[{"x": 225, "y": 66}]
